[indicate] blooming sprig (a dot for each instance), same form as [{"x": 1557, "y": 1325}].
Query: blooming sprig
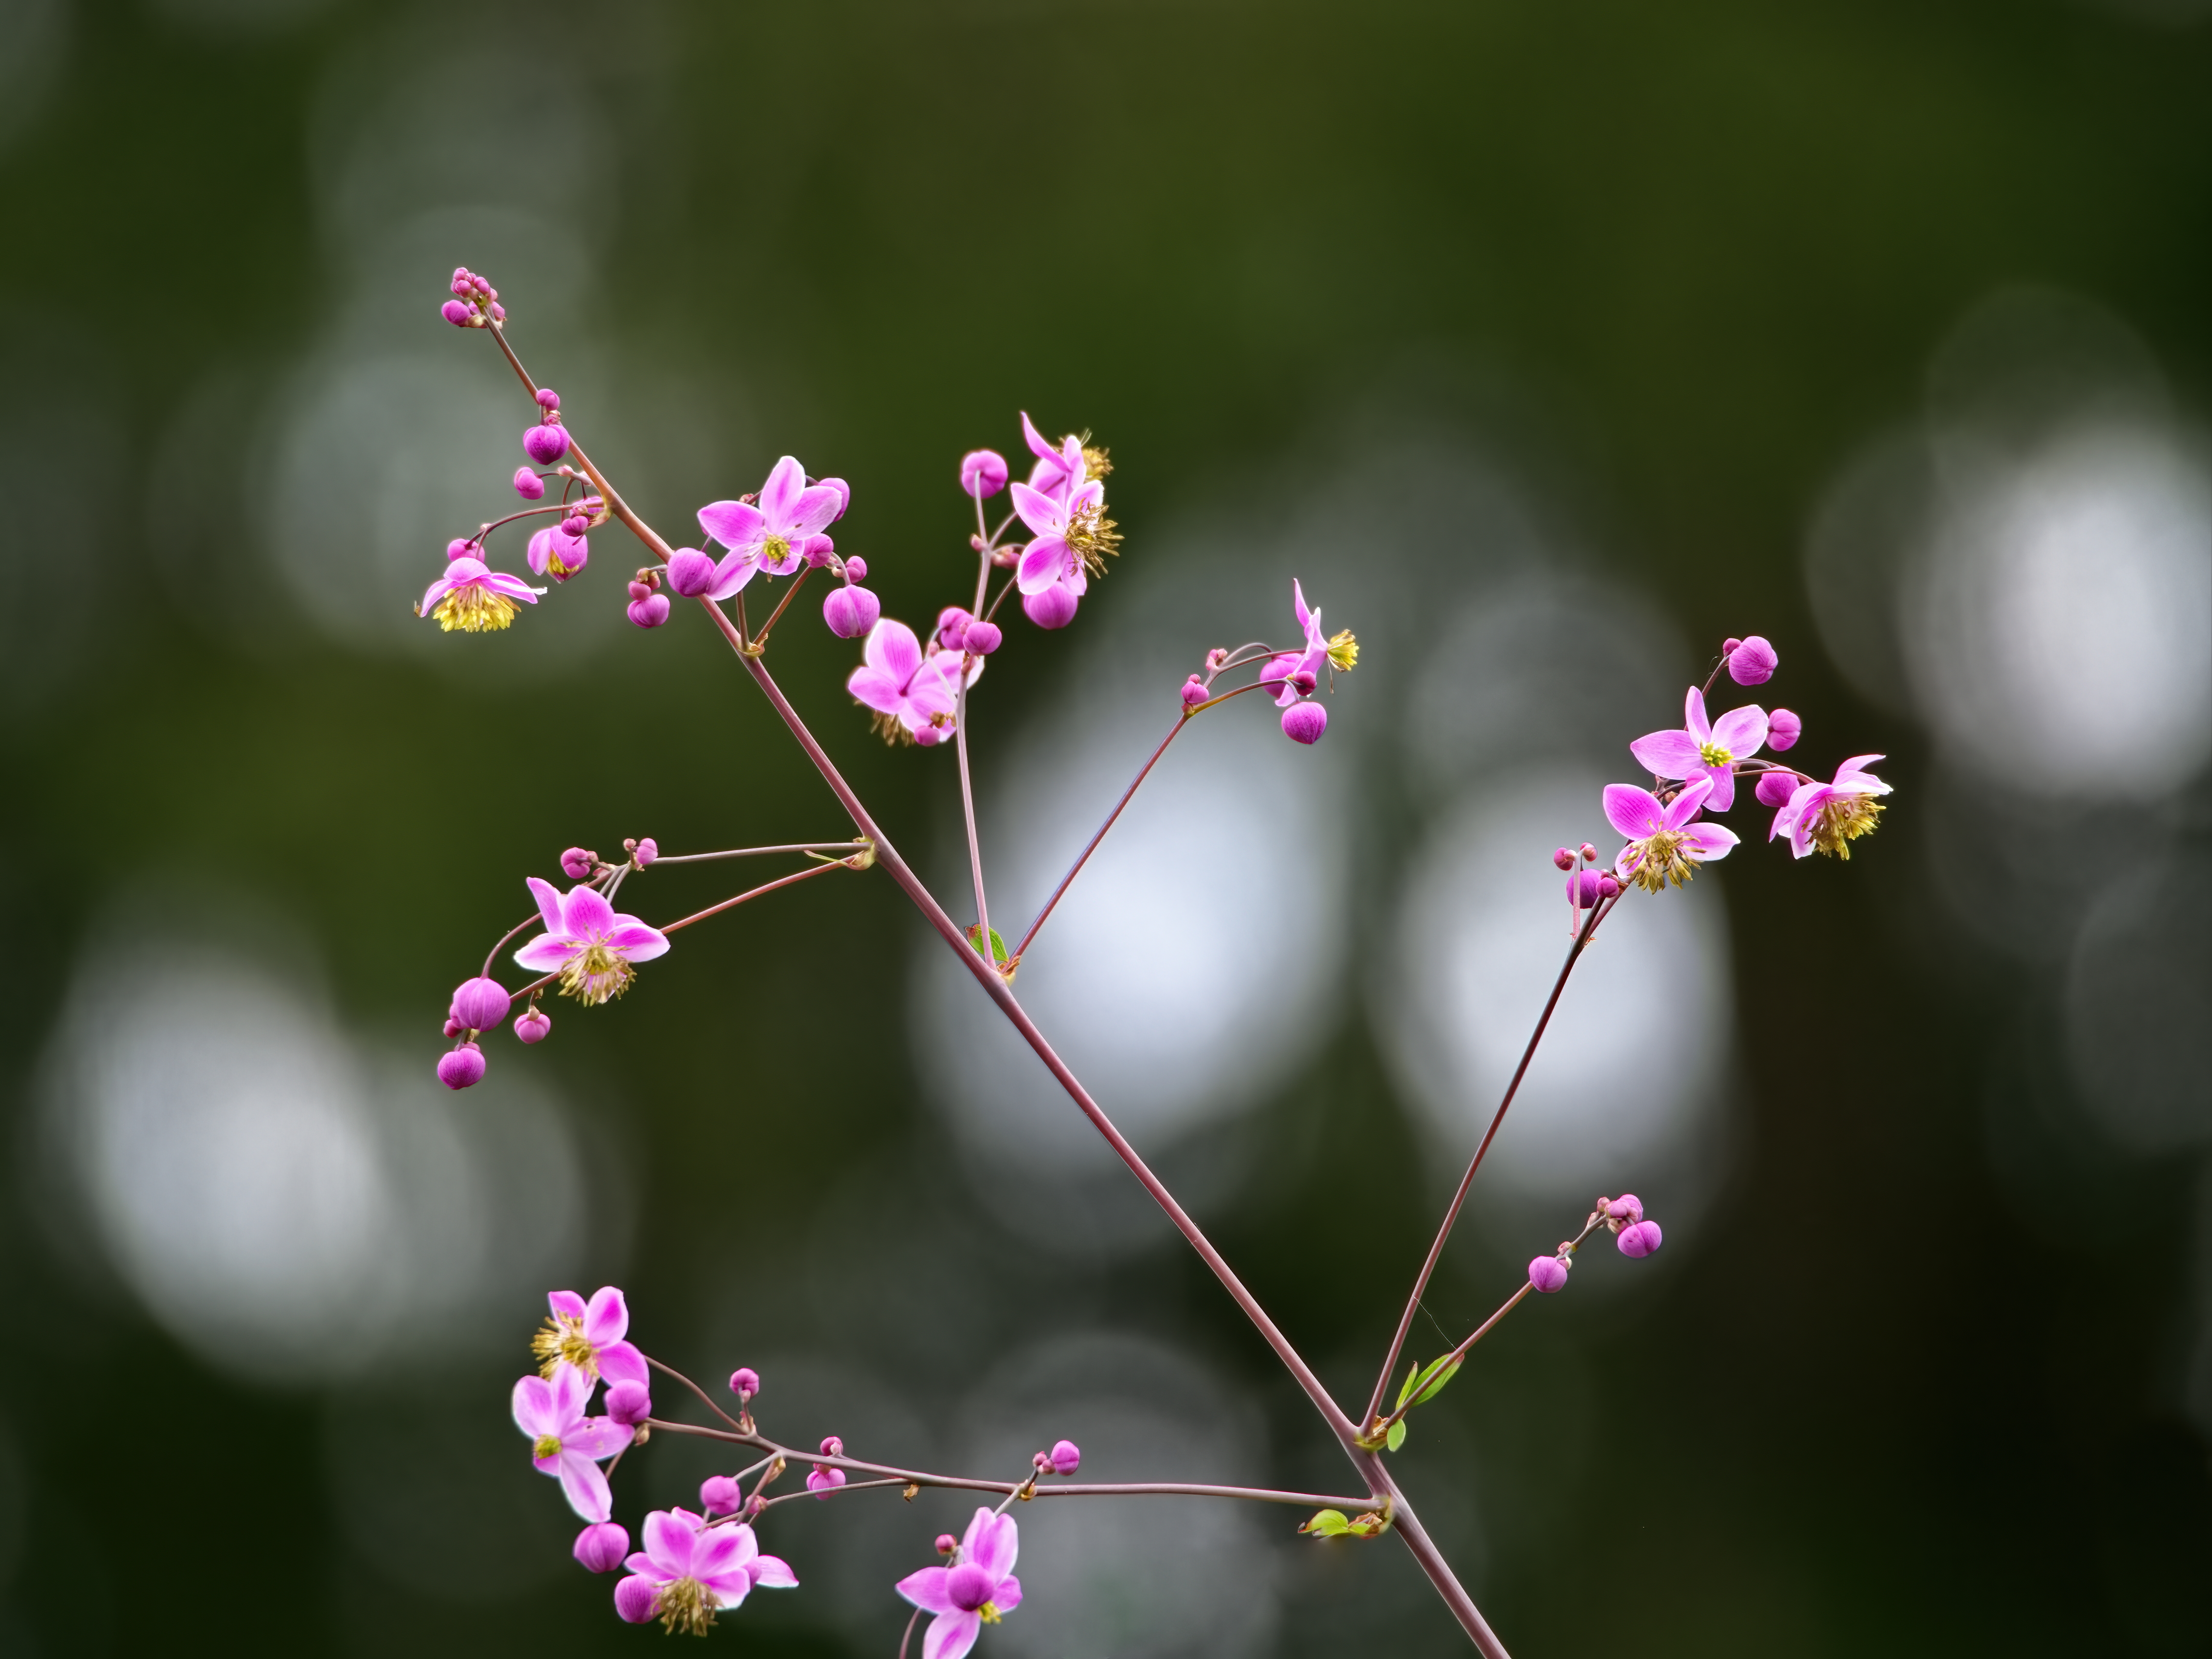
[
  {"x": 566, "y": 1443},
  {"x": 588, "y": 943},
  {"x": 977, "y": 1587}
]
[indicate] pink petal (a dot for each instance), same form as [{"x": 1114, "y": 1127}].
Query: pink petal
[
  {"x": 1041, "y": 563},
  {"x": 1708, "y": 841},
  {"x": 994, "y": 1547},
  {"x": 620, "y": 1362},
  {"x": 925, "y": 1589},
  {"x": 549, "y": 909},
  {"x": 1741, "y": 731},
  {"x": 1668, "y": 754},
  {"x": 1299, "y": 607},
  {"x": 780, "y": 493},
  {"x": 773, "y": 1572},
  {"x": 513, "y": 587},
  {"x": 607, "y": 1318},
  {"x": 815, "y": 509},
  {"x": 635, "y": 940},
  {"x": 547, "y": 952},
  {"x": 1693, "y": 715},
  {"x": 533, "y": 1406},
  {"x": 1857, "y": 764},
  {"x": 598, "y": 1438},
  {"x": 670, "y": 1543},
  {"x": 893, "y": 649},
  {"x": 571, "y": 1388},
  {"x": 1634, "y": 812},
  {"x": 951, "y": 1635},
  {"x": 719, "y": 1553},
  {"x": 1721, "y": 778},
  {"x": 1687, "y": 805},
  {"x": 878, "y": 690},
  {"x": 584, "y": 1486},
  {"x": 586, "y": 913},
  {"x": 1008, "y": 1595},
  {"x": 732, "y": 574},
  {"x": 541, "y": 545},
  {"x": 1043, "y": 515},
  {"x": 1035, "y": 439},
  {"x": 650, "y": 1569},
  {"x": 435, "y": 592},
  {"x": 564, "y": 1301}
]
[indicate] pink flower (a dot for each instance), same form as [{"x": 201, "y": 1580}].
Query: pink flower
[
  {"x": 1059, "y": 465},
  {"x": 976, "y": 1590},
  {"x": 1071, "y": 538},
  {"x": 696, "y": 1570},
  {"x": 554, "y": 552},
  {"x": 1664, "y": 843},
  {"x": 776, "y": 535},
  {"x": 589, "y": 1337},
  {"x": 1704, "y": 748},
  {"x": 1829, "y": 816},
  {"x": 1299, "y": 670},
  {"x": 915, "y": 695},
  {"x": 473, "y": 598},
  {"x": 589, "y": 942},
  {"x": 564, "y": 1442}
]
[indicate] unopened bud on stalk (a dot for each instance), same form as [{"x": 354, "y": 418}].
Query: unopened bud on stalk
[
  {"x": 1639, "y": 1240},
  {"x": 1053, "y": 608},
  {"x": 1607, "y": 887},
  {"x": 1065, "y": 1456},
  {"x": 1563, "y": 858},
  {"x": 629, "y": 1403},
  {"x": 534, "y": 1026},
  {"x": 983, "y": 472},
  {"x": 1589, "y": 852},
  {"x": 1304, "y": 722},
  {"x": 577, "y": 863},
  {"x": 481, "y": 1004},
  {"x": 649, "y": 610},
  {"x": 946, "y": 1543},
  {"x": 545, "y": 444},
  {"x": 1628, "y": 1208},
  {"x": 1193, "y": 693},
  {"x": 1728, "y": 644},
  {"x": 1548, "y": 1274},
  {"x": 1782, "y": 730},
  {"x": 548, "y": 397},
  {"x": 461, "y": 1067},
  {"x": 690, "y": 572},
  {"x": 528, "y": 484},
  {"x": 457, "y": 313},
  {"x": 462, "y": 547},
  {"x": 719, "y": 1495},
  {"x": 453, "y": 1027},
  {"x": 744, "y": 1382},
  {"x": 1585, "y": 888},
  {"x": 1752, "y": 662},
  {"x": 851, "y": 611},
  {"x": 856, "y": 570},
  {"x": 575, "y": 526},
  {"x": 602, "y": 1548},
  {"x": 952, "y": 627},
  {"x": 1775, "y": 788},
  {"x": 642, "y": 851},
  {"x": 983, "y": 638}
]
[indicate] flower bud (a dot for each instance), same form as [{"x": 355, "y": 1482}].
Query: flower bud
[
  {"x": 548, "y": 397},
  {"x": 1782, "y": 730},
  {"x": 952, "y": 627},
  {"x": 821, "y": 1482},
  {"x": 453, "y": 1027},
  {"x": 719, "y": 1495},
  {"x": 1639, "y": 1240},
  {"x": 528, "y": 484},
  {"x": 462, "y": 548},
  {"x": 637, "y": 1600},
  {"x": 1607, "y": 887},
  {"x": 819, "y": 549},
  {"x": 457, "y": 313},
  {"x": 1775, "y": 788},
  {"x": 1067, "y": 1457},
  {"x": 545, "y": 444},
  {"x": 645, "y": 851},
  {"x": 577, "y": 863},
  {"x": 1589, "y": 852},
  {"x": 534, "y": 1026},
  {"x": 1752, "y": 662},
  {"x": 1042, "y": 1461},
  {"x": 1548, "y": 1274},
  {"x": 856, "y": 570},
  {"x": 601, "y": 1548},
  {"x": 983, "y": 473},
  {"x": 629, "y": 1403},
  {"x": 575, "y": 526},
  {"x": 459, "y": 1068},
  {"x": 481, "y": 1004},
  {"x": 946, "y": 1543},
  {"x": 499, "y": 311},
  {"x": 983, "y": 638},
  {"x": 851, "y": 611},
  {"x": 640, "y": 591},
  {"x": 650, "y": 611},
  {"x": 690, "y": 572},
  {"x": 832, "y": 1446},
  {"x": 1304, "y": 722},
  {"x": 1053, "y": 608},
  {"x": 1626, "y": 1207},
  {"x": 744, "y": 1382},
  {"x": 1563, "y": 858},
  {"x": 1728, "y": 644},
  {"x": 1585, "y": 888},
  {"x": 1195, "y": 692}
]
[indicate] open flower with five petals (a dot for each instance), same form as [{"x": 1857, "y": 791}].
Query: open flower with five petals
[
  {"x": 1827, "y": 817},
  {"x": 474, "y": 598},
  {"x": 1665, "y": 841},
  {"x": 588, "y": 942},
  {"x": 590, "y": 1336},
  {"x": 566, "y": 1443},
  {"x": 776, "y": 535},
  {"x": 1070, "y": 538},
  {"x": 1704, "y": 748},
  {"x": 915, "y": 694},
  {"x": 973, "y": 1591},
  {"x": 696, "y": 1570}
]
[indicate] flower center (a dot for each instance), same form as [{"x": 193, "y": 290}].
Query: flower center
[
  {"x": 775, "y": 551},
  {"x": 1713, "y": 754},
  {"x": 969, "y": 1588},
  {"x": 1843, "y": 819},
  {"x": 562, "y": 1339},
  {"x": 595, "y": 974},
  {"x": 1660, "y": 860},
  {"x": 1095, "y": 462},
  {"x": 890, "y": 728},
  {"x": 473, "y": 610},
  {"x": 988, "y": 1613},
  {"x": 1090, "y": 537},
  {"x": 684, "y": 1607},
  {"x": 1343, "y": 651},
  {"x": 546, "y": 1445},
  {"x": 555, "y": 566}
]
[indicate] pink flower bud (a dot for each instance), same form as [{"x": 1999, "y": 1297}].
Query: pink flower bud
[
  {"x": 1782, "y": 730},
  {"x": 548, "y": 397},
  {"x": 719, "y": 1495},
  {"x": 952, "y": 627},
  {"x": 640, "y": 591},
  {"x": 969, "y": 1585},
  {"x": 453, "y": 1027},
  {"x": 1729, "y": 644},
  {"x": 545, "y": 444},
  {"x": 690, "y": 572},
  {"x": 1639, "y": 1240},
  {"x": 1585, "y": 888},
  {"x": 983, "y": 473},
  {"x": 534, "y": 1026},
  {"x": 1563, "y": 858},
  {"x": 629, "y": 1403},
  {"x": 832, "y": 1446},
  {"x": 650, "y": 611},
  {"x": 601, "y": 1548},
  {"x": 1589, "y": 852},
  {"x": 1195, "y": 692},
  {"x": 463, "y": 284},
  {"x": 1304, "y": 722},
  {"x": 481, "y": 1004},
  {"x": 744, "y": 1382},
  {"x": 851, "y": 611},
  {"x": 1042, "y": 1461},
  {"x": 856, "y": 570},
  {"x": 1626, "y": 1207},
  {"x": 946, "y": 1543},
  {"x": 1548, "y": 1274},
  {"x": 1053, "y": 608},
  {"x": 528, "y": 484},
  {"x": 577, "y": 863},
  {"x": 462, "y": 548},
  {"x": 983, "y": 638},
  {"x": 1067, "y": 1457},
  {"x": 819, "y": 549},
  {"x": 1775, "y": 788},
  {"x": 574, "y": 526},
  {"x": 637, "y": 1600},
  {"x": 499, "y": 311},
  {"x": 1607, "y": 887},
  {"x": 456, "y": 313},
  {"x": 461, "y": 1067},
  {"x": 1753, "y": 662},
  {"x": 646, "y": 850},
  {"x": 821, "y": 1482}
]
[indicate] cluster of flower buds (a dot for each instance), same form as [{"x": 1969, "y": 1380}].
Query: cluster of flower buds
[
  {"x": 1586, "y": 887},
  {"x": 822, "y": 1478},
  {"x": 649, "y": 606},
  {"x": 547, "y": 441},
  {"x": 475, "y": 302},
  {"x": 1635, "y": 1233}
]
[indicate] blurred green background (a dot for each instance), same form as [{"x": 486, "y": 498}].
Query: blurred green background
[{"x": 1347, "y": 290}]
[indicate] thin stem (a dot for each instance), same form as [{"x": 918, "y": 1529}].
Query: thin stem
[
  {"x": 526, "y": 513},
  {"x": 912, "y": 1620},
  {"x": 1459, "y": 1198},
  {"x": 503, "y": 939},
  {"x": 760, "y": 640},
  {"x": 968, "y": 812},
  {"x": 755, "y": 892},
  {"x": 705, "y": 1399},
  {"x": 753, "y": 852}
]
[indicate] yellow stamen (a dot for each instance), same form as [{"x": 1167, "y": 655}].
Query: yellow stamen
[
  {"x": 473, "y": 610},
  {"x": 1660, "y": 860},
  {"x": 1091, "y": 536},
  {"x": 1841, "y": 820},
  {"x": 684, "y": 1609},
  {"x": 595, "y": 975},
  {"x": 889, "y": 727},
  {"x": 1343, "y": 651},
  {"x": 988, "y": 1613},
  {"x": 562, "y": 1339},
  {"x": 546, "y": 1445},
  {"x": 775, "y": 551},
  {"x": 557, "y": 567},
  {"x": 1095, "y": 464},
  {"x": 1713, "y": 754}
]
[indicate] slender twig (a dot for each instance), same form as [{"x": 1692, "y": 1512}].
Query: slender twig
[
  {"x": 705, "y": 1399},
  {"x": 492, "y": 953},
  {"x": 760, "y": 640},
  {"x": 753, "y": 852},
  {"x": 968, "y": 812},
  {"x": 755, "y": 892},
  {"x": 912, "y": 1620}
]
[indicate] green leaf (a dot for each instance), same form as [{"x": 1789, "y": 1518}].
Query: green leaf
[
  {"x": 1396, "y": 1438},
  {"x": 1410, "y": 1377},
  {"x": 1328, "y": 1524},
  {"x": 1434, "y": 1379},
  {"x": 998, "y": 945}
]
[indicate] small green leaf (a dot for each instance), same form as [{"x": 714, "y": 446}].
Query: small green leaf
[
  {"x": 1433, "y": 1380},
  {"x": 1328, "y": 1524},
  {"x": 1396, "y": 1438},
  {"x": 998, "y": 945},
  {"x": 1410, "y": 1377}
]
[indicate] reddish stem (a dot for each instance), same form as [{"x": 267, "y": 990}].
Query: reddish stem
[{"x": 755, "y": 892}]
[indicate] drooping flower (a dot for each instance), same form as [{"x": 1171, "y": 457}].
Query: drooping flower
[
  {"x": 588, "y": 1337},
  {"x": 1299, "y": 670},
  {"x": 976, "y": 1590},
  {"x": 590, "y": 942},
  {"x": 776, "y": 535},
  {"x": 1059, "y": 466},
  {"x": 1829, "y": 816},
  {"x": 915, "y": 694},
  {"x": 696, "y": 1570},
  {"x": 1665, "y": 843},
  {"x": 1071, "y": 538},
  {"x": 555, "y": 552},
  {"x": 565, "y": 1442},
  {"x": 474, "y": 598},
  {"x": 1704, "y": 748}
]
